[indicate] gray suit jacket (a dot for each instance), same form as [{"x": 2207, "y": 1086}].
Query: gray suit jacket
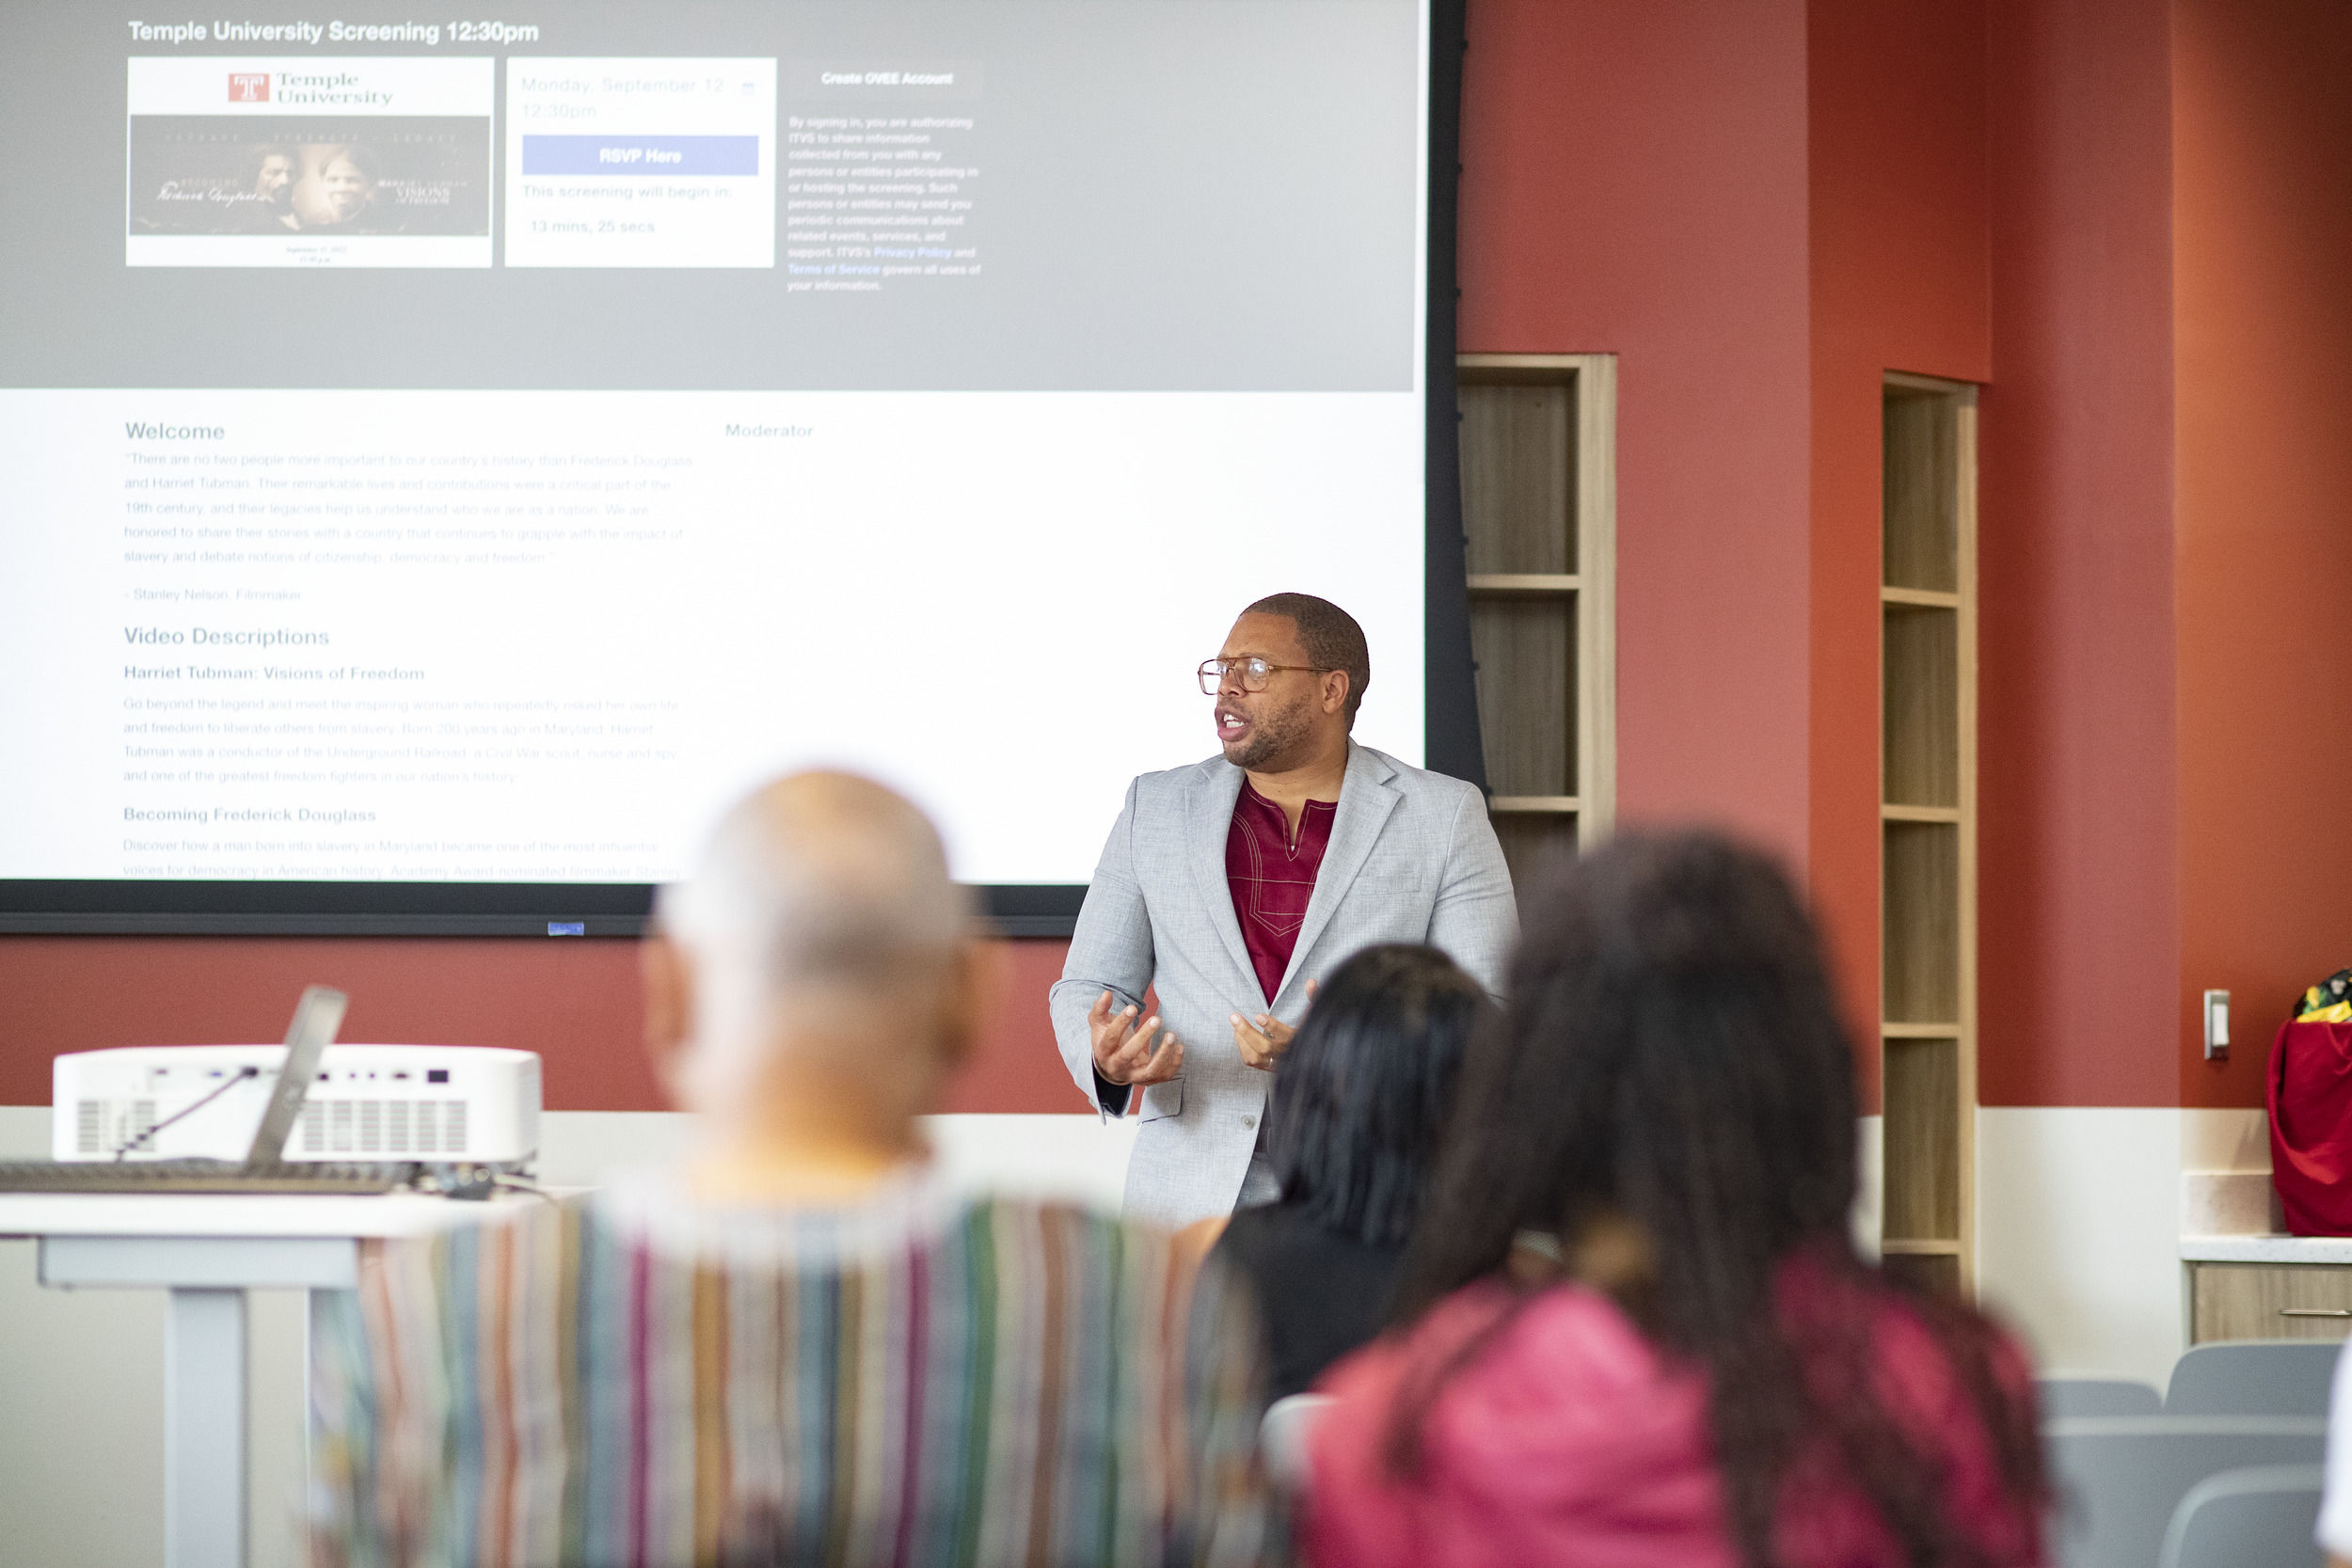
[{"x": 1411, "y": 858}]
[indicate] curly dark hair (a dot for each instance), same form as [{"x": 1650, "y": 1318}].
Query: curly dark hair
[{"x": 1673, "y": 1098}]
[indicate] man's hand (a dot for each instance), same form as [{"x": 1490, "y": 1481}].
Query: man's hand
[
  {"x": 1124, "y": 1052},
  {"x": 1264, "y": 1039}
]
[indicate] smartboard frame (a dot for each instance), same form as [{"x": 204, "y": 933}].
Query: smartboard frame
[{"x": 125, "y": 907}]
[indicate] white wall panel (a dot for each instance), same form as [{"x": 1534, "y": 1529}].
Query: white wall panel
[{"x": 2078, "y": 1234}]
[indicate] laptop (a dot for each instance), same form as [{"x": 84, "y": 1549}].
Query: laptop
[{"x": 266, "y": 1169}]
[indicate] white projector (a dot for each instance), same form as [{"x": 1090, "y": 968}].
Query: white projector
[{"x": 440, "y": 1104}]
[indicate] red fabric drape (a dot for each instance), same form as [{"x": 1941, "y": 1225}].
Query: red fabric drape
[{"x": 2310, "y": 1126}]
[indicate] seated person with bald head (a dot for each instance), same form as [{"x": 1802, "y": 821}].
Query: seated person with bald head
[{"x": 795, "y": 1347}]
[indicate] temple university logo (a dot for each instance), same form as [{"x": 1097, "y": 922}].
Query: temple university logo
[{"x": 248, "y": 87}]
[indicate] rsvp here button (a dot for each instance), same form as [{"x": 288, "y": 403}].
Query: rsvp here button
[{"x": 620, "y": 153}]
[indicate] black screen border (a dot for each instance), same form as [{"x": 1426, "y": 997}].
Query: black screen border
[{"x": 121, "y": 907}]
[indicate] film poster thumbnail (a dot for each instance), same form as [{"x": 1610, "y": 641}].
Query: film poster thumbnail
[{"x": 283, "y": 177}]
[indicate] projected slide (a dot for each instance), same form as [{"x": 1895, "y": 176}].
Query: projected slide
[{"x": 442, "y": 458}]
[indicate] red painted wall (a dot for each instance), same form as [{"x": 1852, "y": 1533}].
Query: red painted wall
[
  {"x": 1633, "y": 182},
  {"x": 2078, "y": 916},
  {"x": 2262, "y": 248},
  {"x": 574, "y": 1001},
  {"x": 1898, "y": 261},
  {"x": 1760, "y": 209}
]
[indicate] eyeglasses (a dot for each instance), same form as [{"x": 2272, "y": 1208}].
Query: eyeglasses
[{"x": 1252, "y": 673}]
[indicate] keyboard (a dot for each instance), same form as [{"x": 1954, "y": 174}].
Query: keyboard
[{"x": 200, "y": 1176}]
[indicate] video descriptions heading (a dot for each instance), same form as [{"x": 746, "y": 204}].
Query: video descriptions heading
[{"x": 150, "y": 642}]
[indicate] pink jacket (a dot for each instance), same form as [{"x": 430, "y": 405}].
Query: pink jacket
[{"x": 1571, "y": 1439}]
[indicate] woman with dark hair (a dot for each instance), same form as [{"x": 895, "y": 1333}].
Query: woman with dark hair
[
  {"x": 1360, "y": 1100},
  {"x": 1633, "y": 1327}
]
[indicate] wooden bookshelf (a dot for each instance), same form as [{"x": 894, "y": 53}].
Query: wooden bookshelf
[
  {"x": 1538, "y": 452},
  {"x": 1928, "y": 830}
]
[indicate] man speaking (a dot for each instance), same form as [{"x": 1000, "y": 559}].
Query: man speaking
[{"x": 1231, "y": 884}]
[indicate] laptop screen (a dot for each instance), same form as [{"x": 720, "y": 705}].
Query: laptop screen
[{"x": 316, "y": 1017}]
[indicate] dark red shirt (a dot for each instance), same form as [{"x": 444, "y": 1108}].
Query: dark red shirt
[{"x": 1272, "y": 879}]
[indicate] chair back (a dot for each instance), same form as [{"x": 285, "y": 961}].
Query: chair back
[
  {"x": 2253, "y": 1377},
  {"x": 2096, "y": 1396},
  {"x": 2118, "y": 1478},
  {"x": 1283, "y": 1436},
  {"x": 2259, "y": 1517}
]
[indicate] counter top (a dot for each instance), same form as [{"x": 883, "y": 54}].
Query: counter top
[
  {"x": 2266, "y": 1249},
  {"x": 255, "y": 1214}
]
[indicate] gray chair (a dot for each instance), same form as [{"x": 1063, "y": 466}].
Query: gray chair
[
  {"x": 2118, "y": 1478},
  {"x": 1282, "y": 1436},
  {"x": 2062, "y": 1395},
  {"x": 2261, "y": 1517},
  {"x": 2253, "y": 1377}
]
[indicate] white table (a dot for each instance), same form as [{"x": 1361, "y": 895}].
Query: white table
[{"x": 208, "y": 1251}]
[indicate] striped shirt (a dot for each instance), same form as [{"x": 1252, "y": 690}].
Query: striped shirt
[{"x": 637, "y": 1378}]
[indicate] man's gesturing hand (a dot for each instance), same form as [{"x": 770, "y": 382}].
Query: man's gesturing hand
[
  {"x": 1124, "y": 1052},
  {"x": 1264, "y": 1039}
]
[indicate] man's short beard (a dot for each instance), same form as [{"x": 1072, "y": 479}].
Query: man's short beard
[{"x": 1274, "y": 737}]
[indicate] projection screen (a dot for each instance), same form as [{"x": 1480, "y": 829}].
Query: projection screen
[{"x": 444, "y": 461}]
